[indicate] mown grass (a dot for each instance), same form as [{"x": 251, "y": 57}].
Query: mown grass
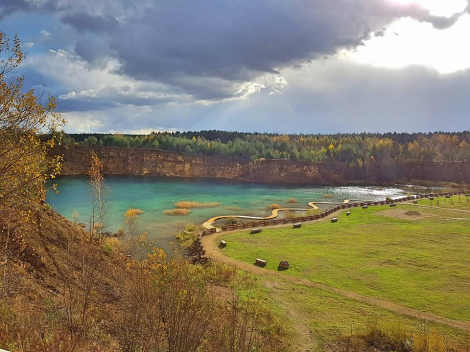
[
  {"x": 422, "y": 264},
  {"x": 330, "y": 317},
  {"x": 456, "y": 202}
]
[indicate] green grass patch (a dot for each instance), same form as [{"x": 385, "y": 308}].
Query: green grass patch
[{"x": 421, "y": 261}]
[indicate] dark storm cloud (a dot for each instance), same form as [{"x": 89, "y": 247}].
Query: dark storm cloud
[
  {"x": 239, "y": 40},
  {"x": 209, "y": 48}
]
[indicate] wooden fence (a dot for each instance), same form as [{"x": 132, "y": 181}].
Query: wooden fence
[{"x": 201, "y": 253}]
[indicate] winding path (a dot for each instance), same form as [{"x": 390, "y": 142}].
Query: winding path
[
  {"x": 209, "y": 224},
  {"x": 213, "y": 252}
]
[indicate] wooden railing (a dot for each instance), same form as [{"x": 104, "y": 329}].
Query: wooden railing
[{"x": 202, "y": 253}]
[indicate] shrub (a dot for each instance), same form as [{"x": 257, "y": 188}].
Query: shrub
[
  {"x": 234, "y": 208},
  {"x": 274, "y": 206},
  {"x": 293, "y": 200},
  {"x": 327, "y": 196}
]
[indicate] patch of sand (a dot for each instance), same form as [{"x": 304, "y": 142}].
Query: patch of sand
[{"x": 405, "y": 214}]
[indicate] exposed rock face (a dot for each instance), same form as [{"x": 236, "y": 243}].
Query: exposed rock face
[{"x": 153, "y": 162}]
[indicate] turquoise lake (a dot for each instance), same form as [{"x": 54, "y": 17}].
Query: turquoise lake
[{"x": 155, "y": 194}]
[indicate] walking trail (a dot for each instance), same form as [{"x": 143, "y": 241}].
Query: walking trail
[
  {"x": 213, "y": 252},
  {"x": 209, "y": 224}
]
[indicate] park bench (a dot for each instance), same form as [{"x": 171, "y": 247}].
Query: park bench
[{"x": 260, "y": 262}]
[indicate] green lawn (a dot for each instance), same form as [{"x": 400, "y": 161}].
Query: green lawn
[
  {"x": 329, "y": 316},
  {"x": 424, "y": 264},
  {"x": 456, "y": 202}
]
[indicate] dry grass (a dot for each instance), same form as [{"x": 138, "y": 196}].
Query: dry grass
[
  {"x": 177, "y": 212},
  {"x": 274, "y": 206},
  {"x": 312, "y": 212},
  {"x": 191, "y": 204},
  {"x": 292, "y": 214},
  {"x": 234, "y": 208},
  {"x": 327, "y": 196},
  {"x": 293, "y": 200}
]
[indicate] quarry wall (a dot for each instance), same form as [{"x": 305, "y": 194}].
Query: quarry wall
[{"x": 154, "y": 162}]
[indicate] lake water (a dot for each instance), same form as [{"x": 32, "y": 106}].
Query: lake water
[{"x": 155, "y": 194}]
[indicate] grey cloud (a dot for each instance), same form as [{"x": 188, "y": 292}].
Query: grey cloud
[
  {"x": 182, "y": 42},
  {"x": 85, "y": 22},
  {"x": 118, "y": 95},
  {"x": 444, "y": 22},
  {"x": 94, "y": 50},
  {"x": 209, "y": 48},
  {"x": 412, "y": 99},
  {"x": 326, "y": 98}
]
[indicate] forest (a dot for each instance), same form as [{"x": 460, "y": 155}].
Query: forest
[{"x": 354, "y": 149}]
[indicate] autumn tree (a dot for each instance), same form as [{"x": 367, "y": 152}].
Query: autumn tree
[
  {"x": 98, "y": 196},
  {"x": 24, "y": 162}
]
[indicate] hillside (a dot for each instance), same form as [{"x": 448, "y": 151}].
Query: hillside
[
  {"x": 57, "y": 285},
  {"x": 63, "y": 291}
]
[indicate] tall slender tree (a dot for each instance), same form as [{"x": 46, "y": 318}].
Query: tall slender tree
[{"x": 98, "y": 197}]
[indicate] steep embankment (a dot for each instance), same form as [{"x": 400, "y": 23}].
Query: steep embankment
[
  {"x": 132, "y": 161},
  {"x": 57, "y": 287}
]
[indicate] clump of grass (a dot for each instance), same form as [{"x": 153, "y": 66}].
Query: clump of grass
[
  {"x": 234, "y": 208},
  {"x": 293, "y": 200},
  {"x": 133, "y": 212},
  {"x": 291, "y": 215},
  {"x": 112, "y": 245},
  {"x": 231, "y": 221},
  {"x": 274, "y": 206},
  {"x": 327, "y": 196},
  {"x": 187, "y": 237},
  {"x": 396, "y": 337},
  {"x": 191, "y": 204},
  {"x": 177, "y": 212},
  {"x": 312, "y": 212}
]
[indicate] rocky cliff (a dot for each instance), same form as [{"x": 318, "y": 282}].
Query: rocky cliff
[{"x": 130, "y": 161}]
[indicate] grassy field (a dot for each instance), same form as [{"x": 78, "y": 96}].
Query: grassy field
[
  {"x": 410, "y": 255},
  {"x": 316, "y": 320}
]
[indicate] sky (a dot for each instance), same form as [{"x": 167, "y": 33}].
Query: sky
[{"x": 284, "y": 66}]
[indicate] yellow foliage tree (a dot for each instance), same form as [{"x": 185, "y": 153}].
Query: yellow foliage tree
[{"x": 24, "y": 162}]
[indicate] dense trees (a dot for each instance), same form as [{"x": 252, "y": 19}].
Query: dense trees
[{"x": 354, "y": 149}]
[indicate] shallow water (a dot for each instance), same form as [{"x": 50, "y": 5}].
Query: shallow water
[{"x": 155, "y": 194}]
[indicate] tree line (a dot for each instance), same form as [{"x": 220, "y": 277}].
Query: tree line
[{"x": 354, "y": 149}]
